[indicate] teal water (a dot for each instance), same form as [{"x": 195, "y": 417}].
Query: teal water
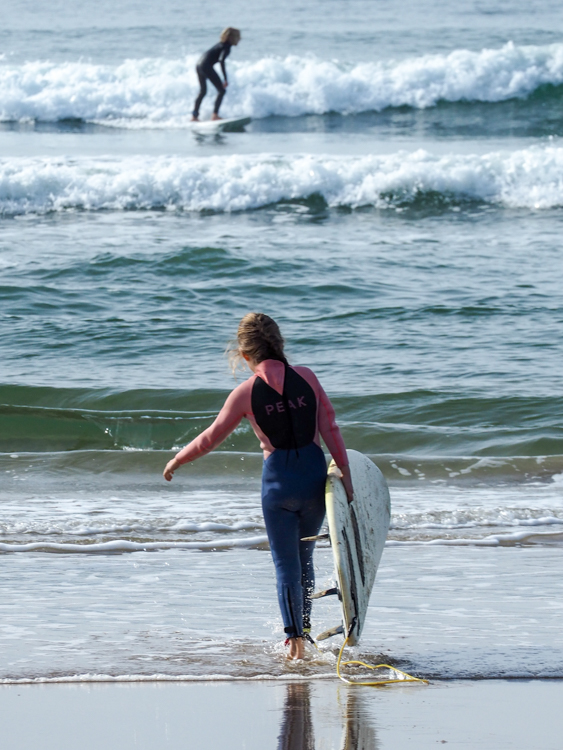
[
  {"x": 376, "y": 301},
  {"x": 435, "y": 332}
]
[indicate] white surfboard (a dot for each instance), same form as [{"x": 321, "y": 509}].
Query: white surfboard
[
  {"x": 357, "y": 534},
  {"x": 212, "y": 127}
]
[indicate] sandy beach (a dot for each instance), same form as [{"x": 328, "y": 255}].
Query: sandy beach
[{"x": 323, "y": 714}]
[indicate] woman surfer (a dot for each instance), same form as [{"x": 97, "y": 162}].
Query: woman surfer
[
  {"x": 218, "y": 54},
  {"x": 289, "y": 412}
]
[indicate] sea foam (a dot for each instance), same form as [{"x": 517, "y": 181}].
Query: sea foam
[
  {"x": 119, "y": 546},
  {"x": 125, "y": 545},
  {"x": 159, "y": 92},
  {"x": 516, "y": 539},
  {"x": 529, "y": 178}
]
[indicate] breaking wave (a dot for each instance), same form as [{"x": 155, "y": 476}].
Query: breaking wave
[
  {"x": 528, "y": 178},
  {"x": 509, "y": 434},
  {"x": 159, "y": 92}
]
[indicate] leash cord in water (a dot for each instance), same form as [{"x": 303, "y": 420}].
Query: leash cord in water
[{"x": 373, "y": 683}]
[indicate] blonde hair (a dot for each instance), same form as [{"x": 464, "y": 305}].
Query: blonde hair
[
  {"x": 230, "y": 34},
  {"x": 259, "y": 338}
]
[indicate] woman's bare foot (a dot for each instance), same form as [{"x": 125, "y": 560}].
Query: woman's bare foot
[
  {"x": 296, "y": 648},
  {"x": 195, "y": 119},
  {"x": 215, "y": 117}
]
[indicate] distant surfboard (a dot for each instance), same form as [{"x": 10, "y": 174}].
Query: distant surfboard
[
  {"x": 211, "y": 127},
  {"x": 357, "y": 534}
]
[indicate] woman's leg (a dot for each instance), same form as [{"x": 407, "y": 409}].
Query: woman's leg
[
  {"x": 218, "y": 83},
  {"x": 283, "y": 534},
  {"x": 311, "y": 519},
  {"x": 293, "y": 486},
  {"x": 202, "y": 92}
]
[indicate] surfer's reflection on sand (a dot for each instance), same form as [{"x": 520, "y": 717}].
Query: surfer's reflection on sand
[
  {"x": 358, "y": 733},
  {"x": 297, "y": 731}
]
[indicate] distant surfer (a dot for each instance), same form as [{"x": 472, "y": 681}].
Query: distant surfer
[
  {"x": 289, "y": 412},
  {"x": 230, "y": 37}
]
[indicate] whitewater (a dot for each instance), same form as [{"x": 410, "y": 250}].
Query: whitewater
[
  {"x": 159, "y": 92},
  {"x": 530, "y": 178}
]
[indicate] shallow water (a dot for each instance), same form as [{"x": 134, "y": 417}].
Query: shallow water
[
  {"x": 436, "y": 612},
  {"x": 120, "y": 576}
]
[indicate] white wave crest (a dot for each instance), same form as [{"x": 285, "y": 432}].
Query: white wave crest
[
  {"x": 158, "y": 677},
  {"x": 124, "y": 545},
  {"x": 480, "y": 519},
  {"x": 515, "y": 539},
  {"x": 261, "y": 542},
  {"x": 530, "y": 178},
  {"x": 79, "y": 528},
  {"x": 160, "y": 93}
]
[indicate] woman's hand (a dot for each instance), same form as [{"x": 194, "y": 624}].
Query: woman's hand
[
  {"x": 346, "y": 478},
  {"x": 170, "y": 468}
]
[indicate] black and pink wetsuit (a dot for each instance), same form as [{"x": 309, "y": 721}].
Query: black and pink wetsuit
[{"x": 289, "y": 412}]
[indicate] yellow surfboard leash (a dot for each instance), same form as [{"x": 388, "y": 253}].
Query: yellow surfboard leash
[
  {"x": 372, "y": 683},
  {"x": 369, "y": 683}
]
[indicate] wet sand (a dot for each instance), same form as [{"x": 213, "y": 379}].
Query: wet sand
[{"x": 304, "y": 715}]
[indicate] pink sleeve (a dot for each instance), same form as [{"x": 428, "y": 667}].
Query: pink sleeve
[
  {"x": 330, "y": 431},
  {"x": 228, "y": 419}
]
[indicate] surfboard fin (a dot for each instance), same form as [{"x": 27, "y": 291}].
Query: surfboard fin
[
  {"x": 329, "y": 633},
  {"x": 315, "y": 538},
  {"x": 327, "y": 592}
]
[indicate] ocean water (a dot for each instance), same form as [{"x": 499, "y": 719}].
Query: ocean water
[{"x": 396, "y": 205}]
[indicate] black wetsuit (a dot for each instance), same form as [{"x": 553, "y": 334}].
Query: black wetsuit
[{"x": 205, "y": 70}]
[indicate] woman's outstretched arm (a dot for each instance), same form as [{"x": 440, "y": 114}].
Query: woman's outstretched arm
[{"x": 227, "y": 421}]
